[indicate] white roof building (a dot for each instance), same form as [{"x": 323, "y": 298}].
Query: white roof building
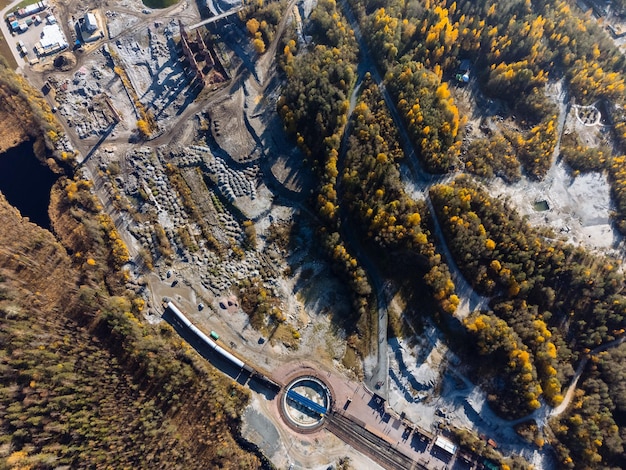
[
  {"x": 90, "y": 24},
  {"x": 446, "y": 444},
  {"x": 52, "y": 36}
]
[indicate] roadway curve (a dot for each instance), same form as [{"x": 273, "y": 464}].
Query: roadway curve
[
  {"x": 121, "y": 221},
  {"x": 579, "y": 370},
  {"x": 470, "y": 299},
  {"x": 423, "y": 182}
]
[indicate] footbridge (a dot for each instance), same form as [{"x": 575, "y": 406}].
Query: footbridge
[
  {"x": 307, "y": 402},
  {"x": 215, "y": 18}
]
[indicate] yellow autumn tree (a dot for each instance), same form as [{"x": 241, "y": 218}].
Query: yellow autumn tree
[
  {"x": 259, "y": 45},
  {"x": 143, "y": 127},
  {"x": 253, "y": 26}
]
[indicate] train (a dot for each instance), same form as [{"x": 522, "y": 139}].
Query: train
[{"x": 210, "y": 342}]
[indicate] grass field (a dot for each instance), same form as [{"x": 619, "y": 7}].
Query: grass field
[{"x": 5, "y": 51}]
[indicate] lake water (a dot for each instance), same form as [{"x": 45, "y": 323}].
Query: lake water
[{"x": 26, "y": 183}]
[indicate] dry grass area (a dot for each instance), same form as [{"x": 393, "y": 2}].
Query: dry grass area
[
  {"x": 37, "y": 257},
  {"x": 286, "y": 335},
  {"x": 11, "y": 132},
  {"x": 24, "y": 112},
  {"x": 351, "y": 360},
  {"x": 15, "y": 115},
  {"x": 4, "y": 46},
  {"x": 6, "y": 52}
]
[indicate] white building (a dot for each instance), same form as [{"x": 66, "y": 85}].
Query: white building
[
  {"x": 52, "y": 38},
  {"x": 446, "y": 445},
  {"x": 90, "y": 24}
]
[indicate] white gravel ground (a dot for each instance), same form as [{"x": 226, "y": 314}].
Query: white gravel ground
[{"x": 578, "y": 207}]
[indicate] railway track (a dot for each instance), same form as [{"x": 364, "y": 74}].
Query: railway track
[{"x": 375, "y": 447}]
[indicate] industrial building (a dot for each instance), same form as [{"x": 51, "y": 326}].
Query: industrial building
[
  {"x": 446, "y": 444},
  {"x": 90, "y": 29},
  {"x": 52, "y": 40},
  {"x": 90, "y": 24},
  {"x": 31, "y": 9},
  {"x": 204, "y": 63}
]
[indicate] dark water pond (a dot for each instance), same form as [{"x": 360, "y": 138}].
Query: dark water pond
[
  {"x": 26, "y": 183},
  {"x": 541, "y": 206}
]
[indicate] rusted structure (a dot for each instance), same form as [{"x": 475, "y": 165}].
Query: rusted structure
[{"x": 202, "y": 59}]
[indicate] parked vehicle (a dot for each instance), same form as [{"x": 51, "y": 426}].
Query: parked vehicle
[{"x": 22, "y": 47}]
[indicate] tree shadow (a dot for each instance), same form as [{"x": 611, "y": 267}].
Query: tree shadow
[
  {"x": 320, "y": 290},
  {"x": 97, "y": 145}
]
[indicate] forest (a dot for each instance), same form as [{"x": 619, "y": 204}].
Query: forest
[
  {"x": 319, "y": 82},
  {"x": 554, "y": 307},
  {"x": 20, "y": 102},
  {"x": 515, "y": 48},
  {"x": 314, "y": 107},
  {"x": 552, "y": 302},
  {"x": 396, "y": 227}
]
